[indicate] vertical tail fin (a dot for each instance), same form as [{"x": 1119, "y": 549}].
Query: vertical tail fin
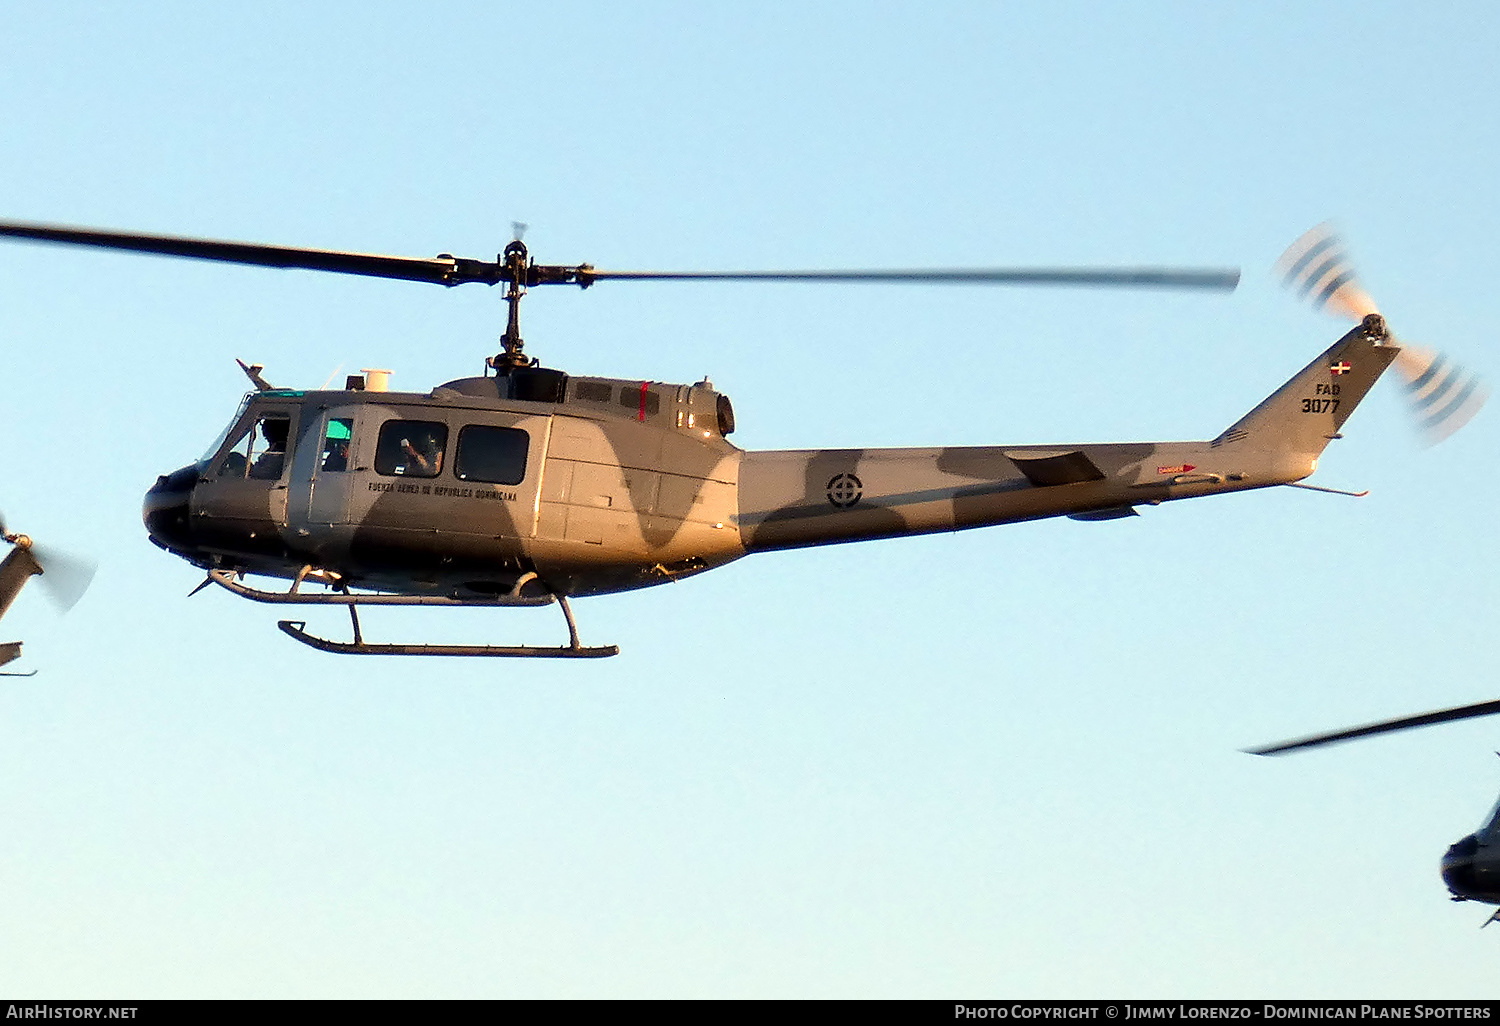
[{"x": 1305, "y": 413}]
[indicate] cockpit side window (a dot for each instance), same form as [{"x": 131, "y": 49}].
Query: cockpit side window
[
  {"x": 336, "y": 439},
  {"x": 411, "y": 448},
  {"x": 260, "y": 453}
]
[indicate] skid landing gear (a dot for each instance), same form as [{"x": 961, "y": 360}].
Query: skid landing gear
[
  {"x": 359, "y": 646},
  {"x": 297, "y": 629}
]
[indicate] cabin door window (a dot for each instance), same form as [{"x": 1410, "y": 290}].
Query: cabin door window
[{"x": 332, "y": 472}]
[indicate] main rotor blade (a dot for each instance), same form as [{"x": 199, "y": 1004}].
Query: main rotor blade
[
  {"x": 448, "y": 270},
  {"x": 1099, "y": 277},
  {"x": 1462, "y": 712},
  {"x": 442, "y": 270}
]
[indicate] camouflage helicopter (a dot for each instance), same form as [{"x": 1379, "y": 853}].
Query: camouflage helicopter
[{"x": 527, "y": 485}]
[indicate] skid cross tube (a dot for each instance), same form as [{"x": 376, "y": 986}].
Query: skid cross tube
[
  {"x": 225, "y": 579},
  {"x": 297, "y": 629}
]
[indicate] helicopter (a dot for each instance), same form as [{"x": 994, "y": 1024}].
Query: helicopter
[
  {"x": 526, "y": 485},
  {"x": 1471, "y": 866},
  {"x": 66, "y": 578}
]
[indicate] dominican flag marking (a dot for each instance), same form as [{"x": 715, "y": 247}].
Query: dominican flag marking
[
  {"x": 1342, "y": 367},
  {"x": 1181, "y": 468}
]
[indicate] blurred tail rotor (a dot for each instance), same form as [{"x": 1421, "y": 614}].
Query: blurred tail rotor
[
  {"x": 65, "y": 577},
  {"x": 1318, "y": 269},
  {"x": 1442, "y": 395}
]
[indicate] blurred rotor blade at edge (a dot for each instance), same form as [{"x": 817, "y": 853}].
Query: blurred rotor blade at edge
[
  {"x": 1222, "y": 280},
  {"x": 1463, "y": 712}
]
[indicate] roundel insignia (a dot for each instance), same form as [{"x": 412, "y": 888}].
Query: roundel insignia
[{"x": 844, "y": 490}]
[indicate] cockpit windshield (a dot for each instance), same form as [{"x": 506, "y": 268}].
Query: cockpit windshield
[
  {"x": 1487, "y": 830},
  {"x": 213, "y": 450}
]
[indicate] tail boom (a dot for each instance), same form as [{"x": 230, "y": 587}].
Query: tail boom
[{"x": 814, "y": 497}]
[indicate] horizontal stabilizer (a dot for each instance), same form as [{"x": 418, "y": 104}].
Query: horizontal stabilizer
[
  {"x": 10, "y": 651},
  {"x": 1045, "y": 469}
]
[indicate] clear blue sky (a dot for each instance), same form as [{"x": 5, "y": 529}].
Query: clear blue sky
[{"x": 1000, "y": 762}]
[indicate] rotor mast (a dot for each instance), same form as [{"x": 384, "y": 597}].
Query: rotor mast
[
  {"x": 519, "y": 272},
  {"x": 511, "y": 344}
]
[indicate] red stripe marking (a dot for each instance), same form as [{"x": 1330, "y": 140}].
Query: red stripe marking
[{"x": 642, "y": 416}]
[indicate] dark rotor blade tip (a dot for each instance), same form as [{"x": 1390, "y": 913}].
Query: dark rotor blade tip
[
  {"x": 1427, "y": 719},
  {"x": 440, "y": 271}
]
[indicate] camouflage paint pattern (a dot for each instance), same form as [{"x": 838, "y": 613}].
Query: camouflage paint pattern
[{"x": 792, "y": 499}]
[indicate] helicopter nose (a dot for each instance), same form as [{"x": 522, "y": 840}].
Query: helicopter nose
[
  {"x": 165, "y": 509},
  {"x": 1458, "y": 868}
]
